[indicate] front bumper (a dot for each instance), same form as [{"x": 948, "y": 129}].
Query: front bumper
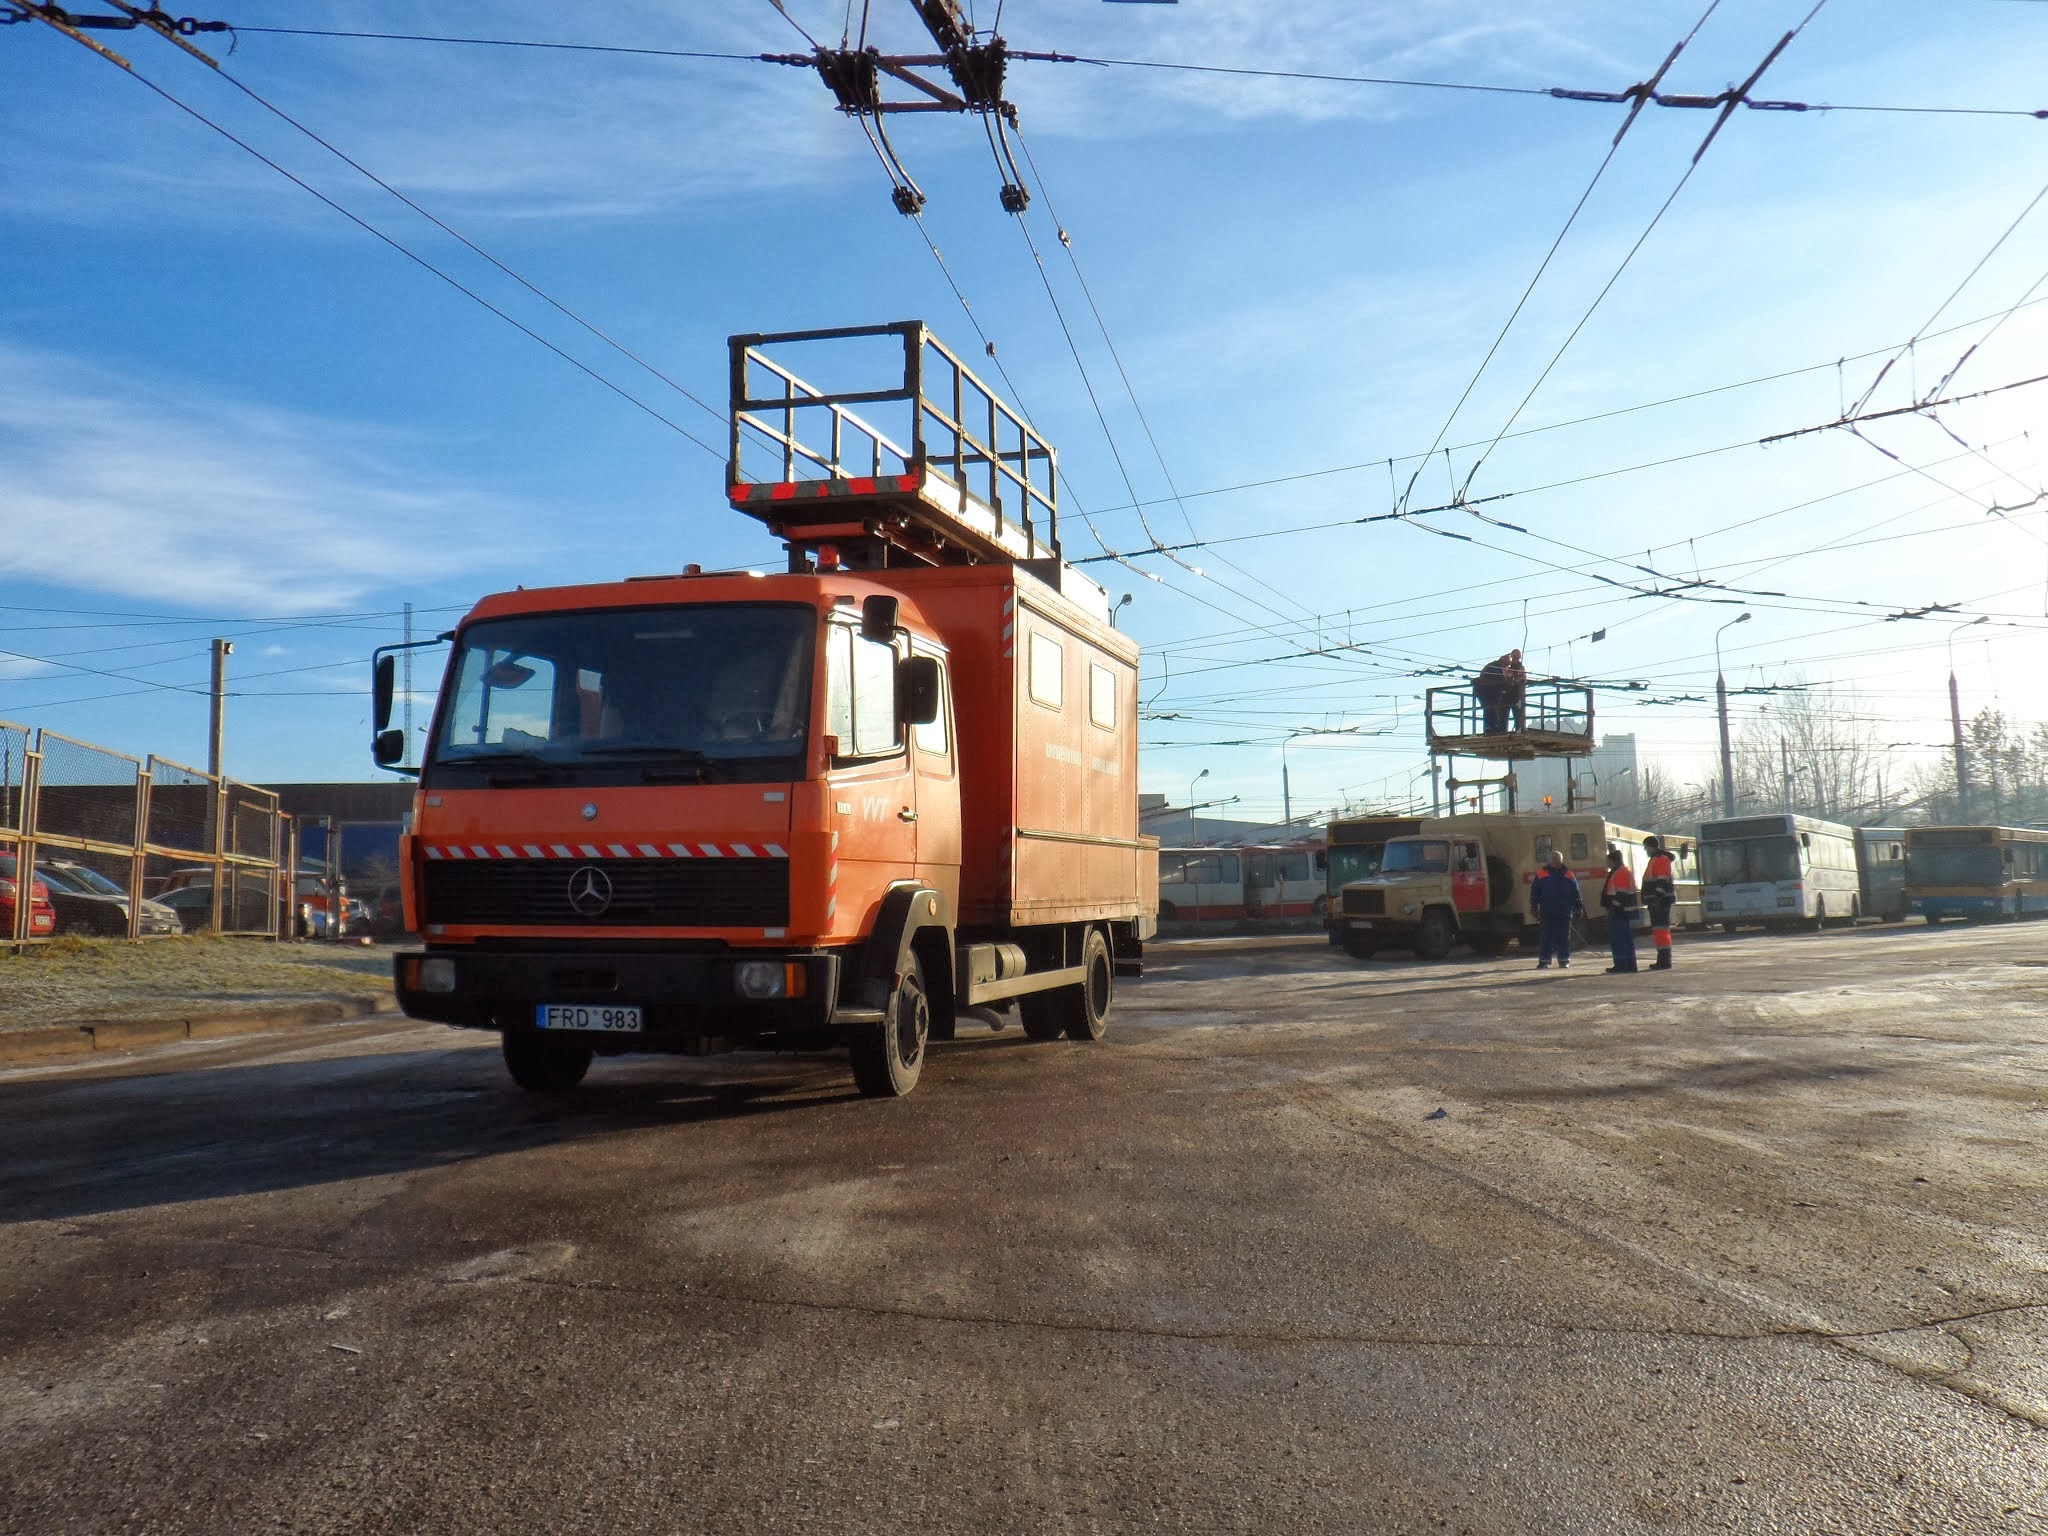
[{"x": 685, "y": 999}]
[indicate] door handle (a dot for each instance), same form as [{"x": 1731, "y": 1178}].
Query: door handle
[{"x": 906, "y": 814}]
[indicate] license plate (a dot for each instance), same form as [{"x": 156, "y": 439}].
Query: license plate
[{"x": 587, "y": 1016}]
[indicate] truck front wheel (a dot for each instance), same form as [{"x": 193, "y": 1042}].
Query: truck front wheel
[
  {"x": 1434, "y": 935},
  {"x": 888, "y": 1058},
  {"x": 541, "y": 1065}
]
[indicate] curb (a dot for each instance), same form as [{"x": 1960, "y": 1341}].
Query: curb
[{"x": 56, "y": 1042}]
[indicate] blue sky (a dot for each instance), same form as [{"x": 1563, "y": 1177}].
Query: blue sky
[{"x": 225, "y": 409}]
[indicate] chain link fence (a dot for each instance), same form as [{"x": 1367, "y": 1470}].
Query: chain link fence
[{"x": 96, "y": 842}]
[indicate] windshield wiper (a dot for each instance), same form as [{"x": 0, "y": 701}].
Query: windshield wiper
[
  {"x": 543, "y": 770},
  {"x": 665, "y": 765}
]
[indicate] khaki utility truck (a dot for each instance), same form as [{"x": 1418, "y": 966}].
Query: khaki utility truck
[{"x": 1465, "y": 880}]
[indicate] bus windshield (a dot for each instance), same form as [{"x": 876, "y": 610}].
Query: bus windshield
[
  {"x": 1744, "y": 860},
  {"x": 1353, "y": 861},
  {"x": 1954, "y": 866},
  {"x": 1416, "y": 856}
]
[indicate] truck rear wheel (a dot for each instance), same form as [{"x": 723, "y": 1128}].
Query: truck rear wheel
[
  {"x": 888, "y": 1058},
  {"x": 1434, "y": 935},
  {"x": 1360, "y": 946},
  {"x": 541, "y": 1065},
  {"x": 1084, "y": 1010}
]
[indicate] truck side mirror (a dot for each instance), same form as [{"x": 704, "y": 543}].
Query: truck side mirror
[
  {"x": 383, "y": 679},
  {"x": 917, "y": 688},
  {"x": 878, "y": 618},
  {"x": 388, "y": 748}
]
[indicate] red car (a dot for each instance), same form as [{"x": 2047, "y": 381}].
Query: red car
[{"x": 42, "y": 917}]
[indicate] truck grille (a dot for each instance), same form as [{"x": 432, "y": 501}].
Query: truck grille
[
  {"x": 1365, "y": 903},
  {"x": 645, "y": 893}
]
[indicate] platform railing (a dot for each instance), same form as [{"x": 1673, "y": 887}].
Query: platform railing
[
  {"x": 1552, "y": 719},
  {"x": 948, "y": 424}
]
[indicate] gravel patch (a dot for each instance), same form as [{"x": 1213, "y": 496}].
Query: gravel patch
[{"x": 72, "y": 979}]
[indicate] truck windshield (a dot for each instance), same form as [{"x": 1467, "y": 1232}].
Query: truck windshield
[
  {"x": 718, "y": 692},
  {"x": 1744, "y": 860},
  {"x": 1954, "y": 866},
  {"x": 1353, "y": 861},
  {"x": 1420, "y": 856}
]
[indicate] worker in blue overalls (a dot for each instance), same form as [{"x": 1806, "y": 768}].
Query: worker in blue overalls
[{"x": 1554, "y": 901}]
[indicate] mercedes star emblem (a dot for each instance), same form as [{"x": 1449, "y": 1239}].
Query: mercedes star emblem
[{"x": 590, "y": 891}]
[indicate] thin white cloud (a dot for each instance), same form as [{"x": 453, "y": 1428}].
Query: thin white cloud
[{"x": 130, "y": 487}]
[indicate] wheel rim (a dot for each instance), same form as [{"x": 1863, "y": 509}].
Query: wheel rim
[{"x": 913, "y": 1024}]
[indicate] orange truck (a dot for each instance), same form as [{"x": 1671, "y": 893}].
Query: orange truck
[{"x": 837, "y": 806}]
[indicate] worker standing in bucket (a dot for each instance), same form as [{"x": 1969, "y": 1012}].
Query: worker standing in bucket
[{"x": 1660, "y": 891}]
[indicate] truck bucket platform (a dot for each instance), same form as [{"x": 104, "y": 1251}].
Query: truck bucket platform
[
  {"x": 938, "y": 471},
  {"x": 1555, "y": 720}
]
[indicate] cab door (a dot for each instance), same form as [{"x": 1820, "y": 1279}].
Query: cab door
[
  {"x": 870, "y": 786},
  {"x": 935, "y": 765},
  {"x": 1468, "y": 876}
]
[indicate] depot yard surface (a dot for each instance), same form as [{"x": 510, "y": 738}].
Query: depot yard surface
[
  {"x": 72, "y": 979},
  {"x": 1754, "y": 1246}
]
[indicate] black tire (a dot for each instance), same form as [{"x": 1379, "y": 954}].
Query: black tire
[
  {"x": 1168, "y": 912},
  {"x": 1084, "y": 1010},
  {"x": 1729, "y": 929},
  {"x": 1933, "y": 920},
  {"x": 541, "y": 1065},
  {"x": 1041, "y": 1020},
  {"x": 1819, "y": 920},
  {"x": 1434, "y": 935},
  {"x": 1360, "y": 946},
  {"x": 888, "y": 1058},
  {"x": 1320, "y": 907}
]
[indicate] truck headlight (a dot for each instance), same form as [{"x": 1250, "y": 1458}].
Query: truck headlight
[
  {"x": 765, "y": 980},
  {"x": 436, "y": 973}
]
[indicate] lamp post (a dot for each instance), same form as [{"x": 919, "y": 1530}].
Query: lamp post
[
  {"x": 1191, "y": 801},
  {"x": 1955, "y": 716},
  {"x": 1122, "y": 603},
  {"x": 1286, "y": 792},
  {"x": 1721, "y": 701}
]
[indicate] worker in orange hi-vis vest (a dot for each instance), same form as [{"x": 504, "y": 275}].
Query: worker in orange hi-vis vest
[
  {"x": 1660, "y": 891},
  {"x": 1618, "y": 897}
]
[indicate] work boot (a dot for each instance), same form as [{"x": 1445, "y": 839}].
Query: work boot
[
  {"x": 1542, "y": 965},
  {"x": 1663, "y": 960},
  {"x": 1621, "y": 970}
]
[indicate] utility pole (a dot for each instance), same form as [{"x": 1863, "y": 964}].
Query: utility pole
[
  {"x": 1785, "y": 762},
  {"x": 406, "y": 761},
  {"x": 1721, "y": 698},
  {"x": 217, "y": 725},
  {"x": 1955, "y": 715}
]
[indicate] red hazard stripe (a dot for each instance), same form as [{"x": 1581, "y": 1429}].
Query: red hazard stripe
[{"x": 582, "y": 851}]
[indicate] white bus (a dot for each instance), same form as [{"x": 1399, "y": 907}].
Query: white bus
[{"x": 1778, "y": 872}]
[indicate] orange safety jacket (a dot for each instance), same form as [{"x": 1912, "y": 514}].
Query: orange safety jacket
[
  {"x": 1657, "y": 879},
  {"x": 1618, "y": 891}
]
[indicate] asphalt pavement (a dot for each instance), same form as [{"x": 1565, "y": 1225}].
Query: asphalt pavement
[{"x": 1759, "y": 1245}]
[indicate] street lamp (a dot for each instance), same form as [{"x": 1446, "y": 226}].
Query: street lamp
[
  {"x": 1955, "y": 715},
  {"x": 1721, "y": 699},
  {"x": 1122, "y": 603},
  {"x": 1286, "y": 793},
  {"x": 1191, "y": 801}
]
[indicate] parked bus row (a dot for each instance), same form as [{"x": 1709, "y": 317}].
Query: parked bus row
[{"x": 1211, "y": 884}]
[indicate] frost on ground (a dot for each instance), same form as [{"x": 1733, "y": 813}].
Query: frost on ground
[{"x": 117, "y": 979}]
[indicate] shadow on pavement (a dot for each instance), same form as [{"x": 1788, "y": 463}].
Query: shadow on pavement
[{"x": 77, "y": 1148}]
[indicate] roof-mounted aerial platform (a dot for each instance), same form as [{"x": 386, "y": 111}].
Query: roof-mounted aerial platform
[
  {"x": 937, "y": 470},
  {"x": 1553, "y": 720}
]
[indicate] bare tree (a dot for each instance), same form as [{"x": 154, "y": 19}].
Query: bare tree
[{"x": 1813, "y": 752}]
